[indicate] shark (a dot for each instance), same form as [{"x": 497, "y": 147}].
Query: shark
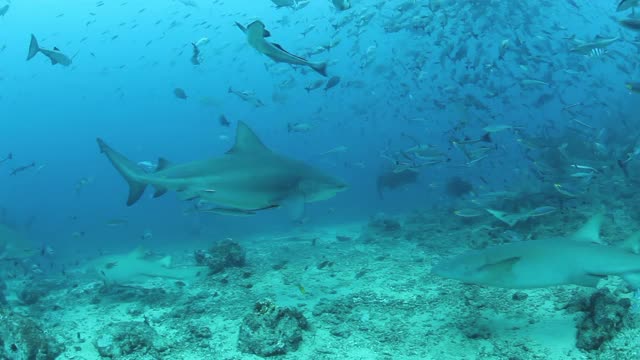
[
  {"x": 246, "y": 179},
  {"x": 137, "y": 267},
  {"x": 256, "y": 36},
  {"x": 55, "y": 55},
  {"x": 579, "y": 259}
]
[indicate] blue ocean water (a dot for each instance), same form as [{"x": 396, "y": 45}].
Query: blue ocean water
[{"x": 428, "y": 73}]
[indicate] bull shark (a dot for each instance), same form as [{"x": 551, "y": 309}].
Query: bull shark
[
  {"x": 580, "y": 259},
  {"x": 55, "y": 55},
  {"x": 256, "y": 34},
  {"x": 248, "y": 178}
]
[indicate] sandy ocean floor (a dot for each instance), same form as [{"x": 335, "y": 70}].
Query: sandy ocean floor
[{"x": 364, "y": 288}]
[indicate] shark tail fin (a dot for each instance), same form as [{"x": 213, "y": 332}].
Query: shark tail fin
[
  {"x": 34, "y": 48},
  {"x": 590, "y": 231},
  {"x": 128, "y": 169},
  {"x": 320, "y": 68}
]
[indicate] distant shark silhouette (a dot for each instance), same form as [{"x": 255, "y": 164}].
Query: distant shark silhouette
[{"x": 248, "y": 178}]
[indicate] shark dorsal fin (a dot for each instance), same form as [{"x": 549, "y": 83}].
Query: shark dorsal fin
[
  {"x": 590, "y": 232},
  {"x": 247, "y": 142},
  {"x": 163, "y": 164}
]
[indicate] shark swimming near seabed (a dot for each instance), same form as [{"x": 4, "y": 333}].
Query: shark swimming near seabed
[
  {"x": 580, "y": 259},
  {"x": 137, "y": 267},
  {"x": 248, "y": 178}
]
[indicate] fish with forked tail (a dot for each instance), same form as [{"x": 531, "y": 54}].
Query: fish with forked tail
[
  {"x": 256, "y": 34},
  {"x": 248, "y": 178},
  {"x": 55, "y": 55}
]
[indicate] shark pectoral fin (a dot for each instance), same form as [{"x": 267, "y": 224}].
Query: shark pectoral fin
[
  {"x": 266, "y": 33},
  {"x": 501, "y": 268},
  {"x": 136, "y": 190},
  {"x": 53, "y": 61}
]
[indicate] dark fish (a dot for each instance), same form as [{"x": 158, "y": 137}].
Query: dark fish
[
  {"x": 196, "y": 53},
  {"x": 634, "y": 86},
  {"x": 630, "y": 23},
  {"x": 335, "y": 80},
  {"x": 180, "y": 93},
  {"x": 485, "y": 138},
  {"x": 223, "y": 121},
  {"x": 22, "y": 168}
]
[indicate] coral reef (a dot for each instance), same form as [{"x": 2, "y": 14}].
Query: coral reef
[
  {"x": 270, "y": 330},
  {"x": 604, "y": 316},
  {"x": 222, "y": 255},
  {"x": 22, "y": 338},
  {"x": 120, "y": 339}
]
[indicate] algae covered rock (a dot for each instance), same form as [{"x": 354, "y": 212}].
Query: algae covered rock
[
  {"x": 120, "y": 339},
  {"x": 270, "y": 330},
  {"x": 22, "y": 339},
  {"x": 224, "y": 254},
  {"x": 605, "y": 315}
]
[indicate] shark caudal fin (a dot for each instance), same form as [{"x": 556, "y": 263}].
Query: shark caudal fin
[
  {"x": 34, "y": 48},
  {"x": 320, "y": 68},
  {"x": 131, "y": 172}
]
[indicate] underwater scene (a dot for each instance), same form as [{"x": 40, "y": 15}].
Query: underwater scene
[{"x": 320, "y": 179}]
